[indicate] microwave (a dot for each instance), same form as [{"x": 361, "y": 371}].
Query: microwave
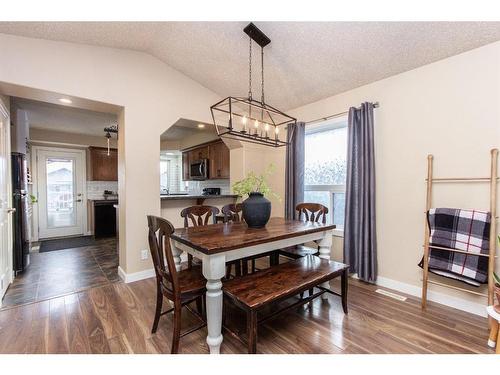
[{"x": 198, "y": 169}]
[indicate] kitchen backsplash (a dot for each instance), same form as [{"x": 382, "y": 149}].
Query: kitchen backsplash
[
  {"x": 196, "y": 187},
  {"x": 95, "y": 189}
]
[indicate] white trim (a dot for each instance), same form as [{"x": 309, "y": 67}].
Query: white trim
[
  {"x": 443, "y": 299},
  {"x": 136, "y": 276}
]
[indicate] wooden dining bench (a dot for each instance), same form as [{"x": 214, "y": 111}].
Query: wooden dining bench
[{"x": 252, "y": 293}]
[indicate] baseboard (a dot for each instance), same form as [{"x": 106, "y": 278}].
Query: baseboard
[
  {"x": 443, "y": 299},
  {"x": 136, "y": 276}
]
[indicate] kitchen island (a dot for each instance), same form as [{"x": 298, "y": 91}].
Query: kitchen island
[{"x": 173, "y": 204}]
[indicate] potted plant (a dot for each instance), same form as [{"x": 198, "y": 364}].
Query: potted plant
[{"x": 256, "y": 208}]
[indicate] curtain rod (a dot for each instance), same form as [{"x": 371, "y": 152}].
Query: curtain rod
[{"x": 375, "y": 105}]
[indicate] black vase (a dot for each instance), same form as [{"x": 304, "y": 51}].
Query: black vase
[{"x": 256, "y": 210}]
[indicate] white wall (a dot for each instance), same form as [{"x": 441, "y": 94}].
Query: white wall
[
  {"x": 152, "y": 95},
  {"x": 450, "y": 109}
]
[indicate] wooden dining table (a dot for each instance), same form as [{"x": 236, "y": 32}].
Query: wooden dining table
[{"x": 220, "y": 243}]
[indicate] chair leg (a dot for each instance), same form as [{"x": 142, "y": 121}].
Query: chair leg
[
  {"x": 177, "y": 328},
  {"x": 343, "y": 281},
  {"x": 237, "y": 268},
  {"x": 244, "y": 267},
  {"x": 311, "y": 292},
  {"x": 253, "y": 266},
  {"x": 228, "y": 270},
  {"x": 159, "y": 304},
  {"x": 199, "y": 305},
  {"x": 252, "y": 332}
]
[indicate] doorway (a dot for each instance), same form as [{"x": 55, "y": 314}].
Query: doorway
[
  {"x": 60, "y": 191},
  {"x": 5, "y": 223}
]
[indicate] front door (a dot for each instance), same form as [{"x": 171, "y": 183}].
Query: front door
[
  {"x": 5, "y": 202},
  {"x": 61, "y": 181}
]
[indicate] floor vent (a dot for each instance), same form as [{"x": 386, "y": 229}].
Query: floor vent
[{"x": 390, "y": 294}]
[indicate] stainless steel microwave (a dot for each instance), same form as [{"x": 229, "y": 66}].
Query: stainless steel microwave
[{"x": 198, "y": 169}]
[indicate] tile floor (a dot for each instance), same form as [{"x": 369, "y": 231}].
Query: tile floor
[{"x": 61, "y": 272}]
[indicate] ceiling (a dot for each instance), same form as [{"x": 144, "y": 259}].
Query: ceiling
[
  {"x": 184, "y": 128},
  {"x": 305, "y": 62},
  {"x": 66, "y": 119}
]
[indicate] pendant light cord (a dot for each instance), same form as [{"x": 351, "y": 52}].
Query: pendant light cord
[
  {"x": 250, "y": 70},
  {"x": 262, "y": 74}
]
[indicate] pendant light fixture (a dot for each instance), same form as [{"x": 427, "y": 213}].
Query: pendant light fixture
[
  {"x": 109, "y": 130},
  {"x": 247, "y": 119}
]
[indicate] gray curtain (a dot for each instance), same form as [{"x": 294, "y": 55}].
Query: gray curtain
[
  {"x": 294, "y": 173},
  {"x": 360, "y": 240}
]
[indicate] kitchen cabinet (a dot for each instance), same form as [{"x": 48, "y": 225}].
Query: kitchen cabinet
[
  {"x": 218, "y": 155},
  {"x": 101, "y": 166}
]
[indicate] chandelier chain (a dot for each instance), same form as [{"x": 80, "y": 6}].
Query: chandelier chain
[
  {"x": 262, "y": 73},
  {"x": 250, "y": 71}
]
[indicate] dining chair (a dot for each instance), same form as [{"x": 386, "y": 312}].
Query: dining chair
[
  {"x": 313, "y": 212},
  {"x": 179, "y": 286},
  {"x": 234, "y": 213},
  {"x": 199, "y": 215}
]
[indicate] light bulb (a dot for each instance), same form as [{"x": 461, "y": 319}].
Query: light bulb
[
  {"x": 266, "y": 127},
  {"x": 256, "y": 124},
  {"x": 276, "y": 130},
  {"x": 244, "y": 120}
]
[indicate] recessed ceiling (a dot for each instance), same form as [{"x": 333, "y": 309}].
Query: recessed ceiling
[
  {"x": 305, "y": 62},
  {"x": 61, "y": 118},
  {"x": 183, "y": 128}
]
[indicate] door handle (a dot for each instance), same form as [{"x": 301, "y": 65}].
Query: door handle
[
  {"x": 11, "y": 210},
  {"x": 78, "y": 200}
]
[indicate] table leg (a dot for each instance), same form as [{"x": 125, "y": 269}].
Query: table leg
[
  {"x": 177, "y": 256},
  {"x": 325, "y": 246},
  {"x": 214, "y": 268}
]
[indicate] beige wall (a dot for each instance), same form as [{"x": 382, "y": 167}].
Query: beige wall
[
  {"x": 152, "y": 95},
  {"x": 451, "y": 109},
  {"x": 255, "y": 158},
  {"x": 44, "y": 135}
]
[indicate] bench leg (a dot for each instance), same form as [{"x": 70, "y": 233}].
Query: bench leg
[
  {"x": 343, "y": 282},
  {"x": 252, "y": 331}
]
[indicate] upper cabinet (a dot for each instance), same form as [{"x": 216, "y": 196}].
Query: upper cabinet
[
  {"x": 218, "y": 164},
  {"x": 101, "y": 166},
  {"x": 217, "y": 154}
]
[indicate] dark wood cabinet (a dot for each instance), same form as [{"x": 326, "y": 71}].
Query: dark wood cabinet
[
  {"x": 101, "y": 166},
  {"x": 185, "y": 166},
  {"x": 217, "y": 154}
]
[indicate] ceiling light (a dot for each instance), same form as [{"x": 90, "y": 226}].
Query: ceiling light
[
  {"x": 65, "y": 100},
  {"x": 201, "y": 126},
  {"x": 231, "y": 114}
]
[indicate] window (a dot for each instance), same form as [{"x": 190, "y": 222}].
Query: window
[{"x": 325, "y": 167}]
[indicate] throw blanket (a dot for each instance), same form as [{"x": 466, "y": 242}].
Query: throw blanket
[{"x": 466, "y": 230}]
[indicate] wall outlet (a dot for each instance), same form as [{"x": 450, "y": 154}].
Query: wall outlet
[{"x": 144, "y": 254}]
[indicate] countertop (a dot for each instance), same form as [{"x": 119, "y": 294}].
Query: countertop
[
  {"x": 189, "y": 196},
  {"x": 99, "y": 200}
]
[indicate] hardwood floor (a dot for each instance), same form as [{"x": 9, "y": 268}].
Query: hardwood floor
[{"x": 117, "y": 318}]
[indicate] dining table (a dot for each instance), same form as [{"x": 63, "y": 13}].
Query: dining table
[{"x": 219, "y": 243}]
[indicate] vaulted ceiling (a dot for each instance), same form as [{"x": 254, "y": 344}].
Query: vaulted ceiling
[{"x": 305, "y": 62}]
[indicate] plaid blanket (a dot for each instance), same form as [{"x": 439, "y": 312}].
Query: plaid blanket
[{"x": 466, "y": 230}]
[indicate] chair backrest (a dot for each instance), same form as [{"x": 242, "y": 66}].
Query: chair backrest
[
  {"x": 199, "y": 215},
  {"x": 312, "y": 212},
  {"x": 233, "y": 212},
  {"x": 161, "y": 250}
]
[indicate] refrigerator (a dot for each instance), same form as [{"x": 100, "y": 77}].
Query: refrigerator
[{"x": 20, "y": 198}]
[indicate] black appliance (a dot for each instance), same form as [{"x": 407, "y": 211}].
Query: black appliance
[
  {"x": 104, "y": 219},
  {"x": 198, "y": 169},
  {"x": 21, "y": 251},
  {"x": 211, "y": 191}
]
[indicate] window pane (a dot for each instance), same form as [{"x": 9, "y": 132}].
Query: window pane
[
  {"x": 321, "y": 197},
  {"x": 338, "y": 209},
  {"x": 325, "y": 157},
  {"x": 60, "y": 196}
]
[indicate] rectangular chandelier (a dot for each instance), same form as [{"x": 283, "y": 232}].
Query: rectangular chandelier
[{"x": 251, "y": 121}]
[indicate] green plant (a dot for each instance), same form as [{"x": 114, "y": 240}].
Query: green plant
[
  {"x": 33, "y": 199},
  {"x": 255, "y": 183}
]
